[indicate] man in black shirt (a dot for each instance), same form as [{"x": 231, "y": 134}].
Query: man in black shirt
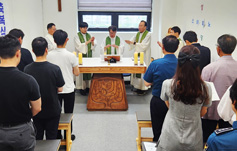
[
  {"x": 50, "y": 80},
  {"x": 190, "y": 38},
  {"x": 26, "y": 57},
  {"x": 19, "y": 99}
]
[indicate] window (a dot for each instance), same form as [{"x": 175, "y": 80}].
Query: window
[
  {"x": 130, "y": 21},
  {"x": 97, "y": 21},
  {"x": 126, "y": 15},
  {"x": 124, "y": 21}
]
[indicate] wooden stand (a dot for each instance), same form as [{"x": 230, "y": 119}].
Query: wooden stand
[
  {"x": 47, "y": 145},
  {"x": 107, "y": 92},
  {"x": 143, "y": 121},
  {"x": 65, "y": 124},
  {"x": 151, "y": 146}
]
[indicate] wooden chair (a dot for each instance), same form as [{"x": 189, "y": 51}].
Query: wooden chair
[
  {"x": 47, "y": 145},
  {"x": 65, "y": 124},
  {"x": 143, "y": 121}
]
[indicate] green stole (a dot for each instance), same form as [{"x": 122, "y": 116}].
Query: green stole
[
  {"x": 86, "y": 76},
  {"x": 108, "y": 42},
  {"x": 137, "y": 39},
  {"x": 143, "y": 36}
]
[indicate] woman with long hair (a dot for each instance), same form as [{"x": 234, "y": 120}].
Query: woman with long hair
[{"x": 187, "y": 97}]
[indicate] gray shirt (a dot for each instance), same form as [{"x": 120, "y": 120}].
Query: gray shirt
[
  {"x": 182, "y": 128},
  {"x": 222, "y": 73}
]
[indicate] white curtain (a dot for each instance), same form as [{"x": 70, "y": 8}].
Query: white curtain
[{"x": 115, "y": 5}]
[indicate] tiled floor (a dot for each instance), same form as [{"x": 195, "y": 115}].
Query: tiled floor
[{"x": 108, "y": 131}]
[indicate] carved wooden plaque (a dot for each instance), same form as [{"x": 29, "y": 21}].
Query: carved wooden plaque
[{"x": 107, "y": 92}]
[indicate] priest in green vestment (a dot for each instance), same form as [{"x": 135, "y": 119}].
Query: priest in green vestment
[
  {"x": 141, "y": 42},
  {"x": 112, "y": 44},
  {"x": 84, "y": 43}
]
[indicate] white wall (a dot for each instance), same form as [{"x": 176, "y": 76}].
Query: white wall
[
  {"x": 65, "y": 20},
  {"x": 221, "y": 14},
  {"x": 167, "y": 16},
  {"x": 33, "y": 16},
  {"x": 155, "y": 30},
  {"x": 25, "y": 15},
  {"x": 164, "y": 17}
]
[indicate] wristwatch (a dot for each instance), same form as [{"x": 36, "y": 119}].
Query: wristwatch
[{"x": 134, "y": 43}]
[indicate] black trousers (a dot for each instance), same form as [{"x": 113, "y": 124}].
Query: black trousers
[
  {"x": 49, "y": 126},
  {"x": 209, "y": 126},
  {"x": 68, "y": 99},
  {"x": 158, "y": 111}
]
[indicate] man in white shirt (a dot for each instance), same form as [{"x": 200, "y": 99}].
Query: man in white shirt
[
  {"x": 112, "y": 44},
  {"x": 175, "y": 31},
  {"x": 141, "y": 42},
  {"x": 68, "y": 64},
  {"x": 84, "y": 43},
  {"x": 49, "y": 37}
]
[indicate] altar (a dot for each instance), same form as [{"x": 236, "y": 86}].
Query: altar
[{"x": 107, "y": 90}]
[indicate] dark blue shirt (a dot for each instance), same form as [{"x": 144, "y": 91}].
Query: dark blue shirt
[
  {"x": 205, "y": 55},
  {"x": 225, "y": 141},
  {"x": 160, "y": 70},
  {"x": 26, "y": 58}
]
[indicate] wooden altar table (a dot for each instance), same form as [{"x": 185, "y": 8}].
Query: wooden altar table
[{"x": 107, "y": 90}]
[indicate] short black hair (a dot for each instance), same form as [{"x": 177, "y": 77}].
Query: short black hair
[
  {"x": 50, "y": 25},
  {"x": 83, "y": 24},
  {"x": 113, "y": 28},
  {"x": 190, "y": 36},
  {"x": 170, "y": 43},
  {"x": 227, "y": 43},
  {"x": 17, "y": 33},
  {"x": 176, "y": 29},
  {"x": 233, "y": 93},
  {"x": 60, "y": 37},
  {"x": 144, "y": 22},
  {"x": 9, "y": 45},
  {"x": 39, "y": 45}
]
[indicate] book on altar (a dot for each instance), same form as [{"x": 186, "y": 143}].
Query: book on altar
[{"x": 116, "y": 57}]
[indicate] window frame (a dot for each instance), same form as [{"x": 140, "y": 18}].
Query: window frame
[{"x": 114, "y": 19}]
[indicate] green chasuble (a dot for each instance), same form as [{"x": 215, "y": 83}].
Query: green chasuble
[
  {"x": 137, "y": 39},
  {"x": 108, "y": 42},
  {"x": 86, "y": 76}
]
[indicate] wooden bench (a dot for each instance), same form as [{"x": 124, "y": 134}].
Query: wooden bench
[
  {"x": 47, "y": 145},
  {"x": 65, "y": 124},
  {"x": 143, "y": 121}
]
